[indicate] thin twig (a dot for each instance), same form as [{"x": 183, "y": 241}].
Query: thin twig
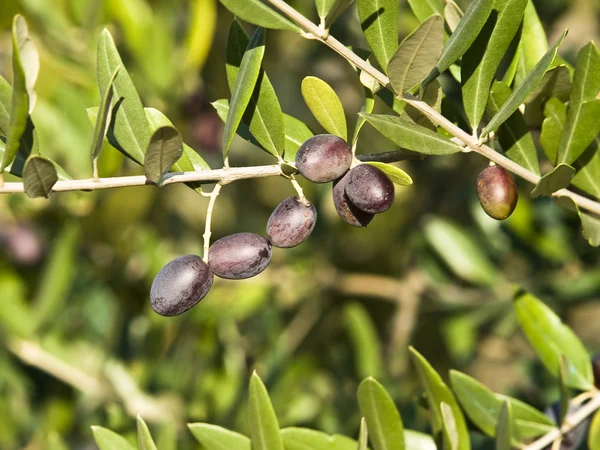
[
  {"x": 208, "y": 225},
  {"x": 312, "y": 31}
]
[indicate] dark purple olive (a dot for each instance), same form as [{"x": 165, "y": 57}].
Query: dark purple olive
[
  {"x": 180, "y": 285},
  {"x": 323, "y": 158},
  {"x": 239, "y": 256},
  {"x": 291, "y": 223},
  {"x": 497, "y": 192},
  {"x": 344, "y": 207},
  {"x": 369, "y": 189}
]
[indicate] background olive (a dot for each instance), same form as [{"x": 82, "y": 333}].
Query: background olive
[
  {"x": 497, "y": 192},
  {"x": 239, "y": 256},
  {"x": 179, "y": 285},
  {"x": 369, "y": 189},
  {"x": 291, "y": 223},
  {"x": 344, "y": 207},
  {"x": 323, "y": 158}
]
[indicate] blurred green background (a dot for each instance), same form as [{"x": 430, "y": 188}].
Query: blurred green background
[{"x": 79, "y": 344}]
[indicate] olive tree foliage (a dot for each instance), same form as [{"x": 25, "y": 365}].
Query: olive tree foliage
[{"x": 505, "y": 87}]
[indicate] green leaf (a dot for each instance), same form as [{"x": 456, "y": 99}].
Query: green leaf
[
  {"x": 222, "y": 108},
  {"x": 102, "y": 120},
  {"x": 437, "y": 393},
  {"x": 5, "y": 105},
  {"x": 587, "y": 177},
  {"x": 296, "y": 133},
  {"x": 397, "y": 175},
  {"x": 368, "y": 109},
  {"x": 379, "y": 22},
  {"x": 533, "y": 45},
  {"x": 525, "y": 88},
  {"x": 410, "y": 136},
  {"x": 213, "y": 437},
  {"x": 325, "y": 105},
  {"x": 415, "y": 440},
  {"x": 594, "y": 433},
  {"x": 365, "y": 340},
  {"x": 109, "y": 440},
  {"x": 26, "y": 66},
  {"x": 55, "y": 442},
  {"x": 452, "y": 439},
  {"x": 39, "y": 176},
  {"x": 460, "y": 252},
  {"x": 550, "y": 338},
  {"x": 565, "y": 398},
  {"x": 128, "y": 131},
  {"x": 263, "y": 113},
  {"x": 257, "y": 13},
  {"x": 145, "y": 441},
  {"x": 245, "y": 83},
  {"x": 452, "y": 15},
  {"x": 335, "y": 11},
  {"x": 481, "y": 61},
  {"x": 164, "y": 150},
  {"x": 417, "y": 55},
  {"x": 465, "y": 34},
  {"x": 323, "y": 8},
  {"x": 514, "y": 135},
  {"x": 305, "y": 439},
  {"x": 552, "y": 127},
  {"x": 483, "y": 407},
  {"x": 559, "y": 178},
  {"x": 386, "y": 431},
  {"x": 556, "y": 83},
  {"x": 264, "y": 428},
  {"x": 202, "y": 24},
  {"x": 432, "y": 95},
  {"x": 582, "y": 124},
  {"x": 425, "y": 9},
  {"x": 504, "y": 429},
  {"x": 591, "y": 228}
]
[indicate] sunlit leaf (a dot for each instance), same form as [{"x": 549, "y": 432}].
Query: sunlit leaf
[
  {"x": 591, "y": 228},
  {"x": 213, "y": 437},
  {"x": 304, "y": 438},
  {"x": 379, "y": 22},
  {"x": 452, "y": 15},
  {"x": 39, "y": 176},
  {"x": 109, "y": 440},
  {"x": 363, "y": 435},
  {"x": 425, "y": 9},
  {"x": 164, "y": 150},
  {"x": 325, "y": 105},
  {"x": 145, "y": 441},
  {"x": 587, "y": 177},
  {"x": 504, "y": 430},
  {"x": 552, "y": 127},
  {"x": 296, "y": 133},
  {"x": 245, "y": 82},
  {"x": 550, "y": 338},
  {"x": 5, "y": 105},
  {"x": 559, "y": 178},
  {"x": 257, "y": 13},
  {"x": 323, "y": 8},
  {"x": 416, "y": 440},
  {"x": 533, "y": 45},
  {"x": 367, "y": 109},
  {"x": 202, "y": 24},
  {"x": 594, "y": 433},
  {"x": 482, "y": 59},
  {"x": 264, "y": 428},
  {"x": 406, "y": 134},
  {"x": 397, "y": 175},
  {"x": 524, "y": 89},
  {"x": 417, "y": 55},
  {"x": 386, "y": 431}
]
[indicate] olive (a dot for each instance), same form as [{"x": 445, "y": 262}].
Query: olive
[
  {"x": 323, "y": 158},
  {"x": 239, "y": 256},
  {"x": 497, "y": 192},
  {"x": 348, "y": 212},
  {"x": 369, "y": 189},
  {"x": 291, "y": 223}
]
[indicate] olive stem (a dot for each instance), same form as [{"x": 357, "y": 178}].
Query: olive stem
[
  {"x": 208, "y": 225},
  {"x": 299, "y": 190},
  {"x": 312, "y": 31}
]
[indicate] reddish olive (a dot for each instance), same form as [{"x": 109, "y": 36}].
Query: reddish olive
[{"x": 497, "y": 192}]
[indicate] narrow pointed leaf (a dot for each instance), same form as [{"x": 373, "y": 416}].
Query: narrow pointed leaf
[
  {"x": 323, "y": 7},
  {"x": 465, "y": 34},
  {"x": 533, "y": 45},
  {"x": 366, "y": 109},
  {"x": 257, "y": 13},
  {"x": 264, "y": 428},
  {"x": 296, "y": 133},
  {"x": 128, "y": 130},
  {"x": 263, "y": 114},
  {"x": 379, "y": 22},
  {"x": 482, "y": 59},
  {"x": 145, "y": 441},
  {"x": 363, "y": 435},
  {"x": 482, "y": 406},
  {"x": 591, "y": 228},
  {"x": 202, "y": 25},
  {"x": 416, "y": 440},
  {"x": 244, "y": 86},
  {"x": 432, "y": 95},
  {"x": 26, "y": 66},
  {"x": 39, "y": 176},
  {"x": 587, "y": 177},
  {"x": 365, "y": 340},
  {"x": 524, "y": 89},
  {"x": 437, "y": 393},
  {"x": 559, "y": 178},
  {"x": 582, "y": 125},
  {"x": 552, "y": 127},
  {"x": 325, "y": 105},
  {"x": 109, "y": 440},
  {"x": 213, "y": 437},
  {"x": 452, "y": 439},
  {"x": 397, "y": 175},
  {"x": 410, "y": 136},
  {"x": 164, "y": 150},
  {"x": 556, "y": 83},
  {"x": 417, "y": 55},
  {"x": 103, "y": 117},
  {"x": 424, "y": 9},
  {"x": 386, "y": 431},
  {"x": 5, "y": 105},
  {"x": 550, "y": 338},
  {"x": 304, "y": 439},
  {"x": 243, "y": 131},
  {"x": 514, "y": 135},
  {"x": 452, "y": 15},
  {"x": 336, "y": 10},
  {"x": 504, "y": 431}
]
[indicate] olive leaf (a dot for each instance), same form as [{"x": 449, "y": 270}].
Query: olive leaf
[
  {"x": 587, "y": 177},
  {"x": 533, "y": 44},
  {"x": 335, "y": 11},
  {"x": 397, "y": 175},
  {"x": 264, "y": 428},
  {"x": 39, "y": 176},
  {"x": 364, "y": 339},
  {"x": 164, "y": 150},
  {"x": 109, "y": 440},
  {"x": 559, "y": 178},
  {"x": 504, "y": 429},
  {"x": 145, "y": 441},
  {"x": 555, "y": 112},
  {"x": 325, "y": 105},
  {"x": 257, "y": 13},
  {"x": 425, "y": 9},
  {"x": 5, "y": 105},
  {"x": 213, "y": 437},
  {"x": 379, "y": 22},
  {"x": 304, "y": 438}
]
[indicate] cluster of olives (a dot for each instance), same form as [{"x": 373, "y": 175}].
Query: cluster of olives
[
  {"x": 358, "y": 193},
  {"x": 497, "y": 192}
]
